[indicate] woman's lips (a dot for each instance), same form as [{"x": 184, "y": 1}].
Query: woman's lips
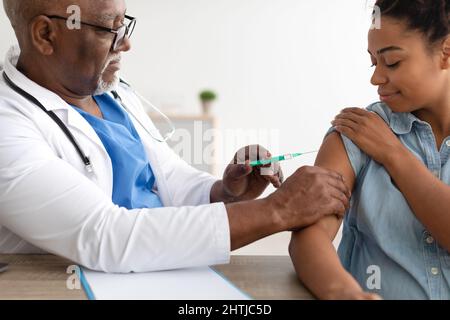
[{"x": 388, "y": 96}]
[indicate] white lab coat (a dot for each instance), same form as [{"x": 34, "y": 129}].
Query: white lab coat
[{"x": 50, "y": 203}]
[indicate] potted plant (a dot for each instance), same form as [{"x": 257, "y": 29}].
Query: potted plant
[{"x": 207, "y": 97}]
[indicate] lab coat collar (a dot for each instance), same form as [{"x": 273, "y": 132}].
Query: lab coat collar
[{"x": 50, "y": 100}]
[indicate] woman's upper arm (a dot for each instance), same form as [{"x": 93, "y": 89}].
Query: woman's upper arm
[{"x": 333, "y": 156}]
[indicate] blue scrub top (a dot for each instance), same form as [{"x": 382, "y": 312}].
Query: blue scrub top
[{"x": 133, "y": 178}]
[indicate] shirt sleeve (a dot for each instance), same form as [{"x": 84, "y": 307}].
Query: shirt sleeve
[
  {"x": 49, "y": 204},
  {"x": 357, "y": 157}
]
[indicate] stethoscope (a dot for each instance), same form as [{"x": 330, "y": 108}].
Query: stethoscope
[{"x": 58, "y": 121}]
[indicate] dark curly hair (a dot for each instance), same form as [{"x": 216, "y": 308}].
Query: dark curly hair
[{"x": 430, "y": 17}]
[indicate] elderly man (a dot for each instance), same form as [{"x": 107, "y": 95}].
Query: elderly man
[{"x": 84, "y": 174}]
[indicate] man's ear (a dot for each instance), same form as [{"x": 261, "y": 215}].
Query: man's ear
[
  {"x": 43, "y": 34},
  {"x": 445, "y": 54}
]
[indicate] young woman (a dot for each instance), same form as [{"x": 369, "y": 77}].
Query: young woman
[{"x": 395, "y": 158}]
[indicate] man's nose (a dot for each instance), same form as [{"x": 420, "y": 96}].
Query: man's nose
[{"x": 124, "y": 46}]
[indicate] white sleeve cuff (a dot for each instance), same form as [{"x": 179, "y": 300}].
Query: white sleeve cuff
[{"x": 221, "y": 227}]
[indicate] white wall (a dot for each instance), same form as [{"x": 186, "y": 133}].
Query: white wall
[
  {"x": 284, "y": 65},
  {"x": 6, "y": 34}
]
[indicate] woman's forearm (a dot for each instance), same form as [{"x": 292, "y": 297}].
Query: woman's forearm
[
  {"x": 428, "y": 197},
  {"x": 318, "y": 266}
]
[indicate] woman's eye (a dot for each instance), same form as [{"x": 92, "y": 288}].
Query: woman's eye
[
  {"x": 392, "y": 65},
  {"x": 373, "y": 65}
]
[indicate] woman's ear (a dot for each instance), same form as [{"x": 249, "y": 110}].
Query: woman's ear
[{"x": 445, "y": 54}]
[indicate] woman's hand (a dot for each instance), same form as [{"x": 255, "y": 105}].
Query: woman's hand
[{"x": 369, "y": 132}]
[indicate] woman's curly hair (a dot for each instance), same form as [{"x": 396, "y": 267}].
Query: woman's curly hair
[{"x": 430, "y": 17}]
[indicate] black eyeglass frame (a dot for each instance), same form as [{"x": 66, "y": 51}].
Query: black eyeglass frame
[{"x": 129, "y": 28}]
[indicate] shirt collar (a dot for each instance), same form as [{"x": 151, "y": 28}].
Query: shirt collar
[{"x": 402, "y": 123}]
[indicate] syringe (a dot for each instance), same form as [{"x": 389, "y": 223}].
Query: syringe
[{"x": 284, "y": 157}]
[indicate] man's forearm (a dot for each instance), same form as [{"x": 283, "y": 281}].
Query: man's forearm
[
  {"x": 252, "y": 220},
  {"x": 307, "y": 196}
]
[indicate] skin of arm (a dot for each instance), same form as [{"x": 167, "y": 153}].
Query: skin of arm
[
  {"x": 425, "y": 193},
  {"x": 314, "y": 257},
  {"x": 307, "y": 196}
]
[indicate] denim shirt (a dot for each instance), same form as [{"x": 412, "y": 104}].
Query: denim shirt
[{"x": 381, "y": 236}]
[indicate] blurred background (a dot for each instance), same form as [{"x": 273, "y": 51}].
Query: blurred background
[{"x": 280, "y": 69}]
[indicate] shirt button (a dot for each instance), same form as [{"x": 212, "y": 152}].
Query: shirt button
[
  {"x": 434, "y": 271},
  {"x": 430, "y": 240},
  {"x": 448, "y": 143}
]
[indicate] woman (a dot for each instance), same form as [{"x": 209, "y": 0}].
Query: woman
[{"x": 395, "y": 158}]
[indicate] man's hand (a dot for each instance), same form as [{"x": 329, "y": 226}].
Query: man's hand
[
  {"x": 242, "y": 182},
  {"x": 308, "y": 195}
]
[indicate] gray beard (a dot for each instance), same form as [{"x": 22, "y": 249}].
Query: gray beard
[{"x": 104, "y": 87}]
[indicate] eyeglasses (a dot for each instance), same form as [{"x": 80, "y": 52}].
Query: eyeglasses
[{"x": 125, "y": 31}]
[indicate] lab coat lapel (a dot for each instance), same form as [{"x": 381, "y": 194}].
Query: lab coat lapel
[
  {"x": 152, "y": 148},
  {"x": 163, "y": 190},
  {"x": 50, "y": 100},
  {"x": 75, "y": 121}
]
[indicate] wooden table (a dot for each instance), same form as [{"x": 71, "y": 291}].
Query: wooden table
[{"x": 43, "y": 277}]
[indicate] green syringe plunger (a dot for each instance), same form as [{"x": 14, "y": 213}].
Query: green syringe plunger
[{"x": 284, "y": 157}]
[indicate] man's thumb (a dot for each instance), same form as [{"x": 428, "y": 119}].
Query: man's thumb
[{"x": 237, "y": 171}]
